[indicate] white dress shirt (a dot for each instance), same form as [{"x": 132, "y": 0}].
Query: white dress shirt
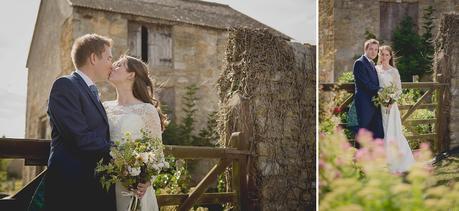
[
  {"x": 370, "y": 60},
  {"x": 86, "y": 79}
]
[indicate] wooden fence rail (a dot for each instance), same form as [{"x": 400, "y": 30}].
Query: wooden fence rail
[{"x": 36, "y": 152}]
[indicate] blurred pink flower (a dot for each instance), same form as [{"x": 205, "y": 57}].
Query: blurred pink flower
[
  {"x": 361, "y": 153},
  {"x": 345, "y": 145},
  {"x": 337, "y": 174},
  {"x": 322, "y": 163},
  {"x": 424, "y": 146}
]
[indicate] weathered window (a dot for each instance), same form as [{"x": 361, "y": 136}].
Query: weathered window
[
  {"x": 392, "y": 13},
  {"x": 151, "y": 43},
  {"x": 135, "y": 40},
  {"x": 144, "y": 40}
]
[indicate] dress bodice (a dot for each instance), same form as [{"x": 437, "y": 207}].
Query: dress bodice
[
  {"x": 132, "y": 118},
  {"x": 388, "y": 77}
]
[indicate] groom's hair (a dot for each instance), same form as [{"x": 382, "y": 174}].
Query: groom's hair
[
  {"x": 87, "y": 44},
  {"x": 370, "y": 41}
]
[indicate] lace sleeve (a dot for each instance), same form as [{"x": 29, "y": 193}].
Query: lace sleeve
[
  {"x": 152, "y": 121},
  {"x": 398, "y": 82}
]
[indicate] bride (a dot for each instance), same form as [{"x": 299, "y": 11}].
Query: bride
[
  {"x": 134, "y": 109},
  {"x": 399, "y": 155}
]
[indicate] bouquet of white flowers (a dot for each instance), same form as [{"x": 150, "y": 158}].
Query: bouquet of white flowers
[
  {"x": 386, "y": 96},
  {"x": 133, "y": 162}
]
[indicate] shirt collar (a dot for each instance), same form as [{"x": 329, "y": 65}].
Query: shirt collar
[
  {"x": 86, "y": 79},
  {"x": 370, "y": 60}
]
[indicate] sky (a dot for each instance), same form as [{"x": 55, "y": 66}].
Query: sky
[{"x": 295, "y": 18}]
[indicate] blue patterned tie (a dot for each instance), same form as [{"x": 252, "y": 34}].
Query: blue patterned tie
[{"x": 94, "y": 91}]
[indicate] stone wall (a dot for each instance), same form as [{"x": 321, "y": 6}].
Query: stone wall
[
  {"x": 446, "y": 67},
  {"x": 351, "y": 18},
  {"x": 267, "y": 91},
  {"x": 44, "y": 65},
  {"x": 326, "y": 41}
]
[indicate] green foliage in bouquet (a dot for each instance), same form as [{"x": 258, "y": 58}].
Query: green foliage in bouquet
[
  {"x": 386, "y": 96},
  {"x": 133, "y": 161}
]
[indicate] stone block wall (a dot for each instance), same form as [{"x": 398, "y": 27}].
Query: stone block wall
[
  {"x": 446, "y": 67},
  {"x": 267, "y": 91}
]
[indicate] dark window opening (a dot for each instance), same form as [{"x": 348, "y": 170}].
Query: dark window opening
[{"x": 144, "y": 32}]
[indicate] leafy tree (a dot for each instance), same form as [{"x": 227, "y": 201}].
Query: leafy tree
[
  {"x": 414, "y": 52},
  {"x": 208, "y": 136},
  {"x": 427, "y": 40},
  {"x": 181, "y": 133}
]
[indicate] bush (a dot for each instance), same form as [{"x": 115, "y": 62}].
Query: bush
[{"x": 351, "y": 179}]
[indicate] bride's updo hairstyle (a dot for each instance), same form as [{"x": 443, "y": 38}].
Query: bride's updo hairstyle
[
  {"x": 391, "y": 52},
  {"x": 143, "y": 86}
]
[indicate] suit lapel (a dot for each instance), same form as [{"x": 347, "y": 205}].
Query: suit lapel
[
  {"x": 93, "y": 98},
  {"x": 368, "y": 63},
  {"x": 372, "y": 68}
]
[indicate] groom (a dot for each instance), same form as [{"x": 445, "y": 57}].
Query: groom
[
  {"x": 80, "y": 132},
  {"x": 366, "y": 87}
]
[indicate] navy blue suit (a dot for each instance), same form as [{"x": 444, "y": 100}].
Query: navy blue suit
[
  {"x": 80, "y": 138},
  {"x": 366, "y": 87}
]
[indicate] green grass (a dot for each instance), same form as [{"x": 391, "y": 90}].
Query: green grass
[{"x": 447, "y": 170}]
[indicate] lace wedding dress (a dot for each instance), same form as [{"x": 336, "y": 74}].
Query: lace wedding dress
[
  {"x": 133, "y": 118},
  {"x": 399, "y": 155}
]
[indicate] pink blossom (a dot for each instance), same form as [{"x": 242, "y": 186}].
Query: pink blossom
[
  {"x": 345, "y": 145},
  {"x": 337, "y": 174},
  {"x": 364, "y": 136},
  {"x": 322, "y": 163},
  {"x": 379, "y": 142},
  {"x": 361, "y": 153},
  {"x": 424, "y": 146}
]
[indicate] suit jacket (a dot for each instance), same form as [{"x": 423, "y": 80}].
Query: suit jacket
[
  {"x": 80, "y": 138},
  {"x": 366, "y": 87}
]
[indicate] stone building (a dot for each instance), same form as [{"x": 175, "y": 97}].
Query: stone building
[
  {"x": 183, "y": 41},
  {"x": 343, "y": 23}
]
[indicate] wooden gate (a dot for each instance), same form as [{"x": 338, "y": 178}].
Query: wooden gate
[{"x": 36, "y": 152}]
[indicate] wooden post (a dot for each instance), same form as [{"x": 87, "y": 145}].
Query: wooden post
[
  {"x": 249, "y": 189},
  {"x": 243, "y": 174},
  {"x": 442, "y": 144},
  {"x": 438, "y": 139},
  {"x": 239, "y": 174},
  {"x": 236, "y": 171}
]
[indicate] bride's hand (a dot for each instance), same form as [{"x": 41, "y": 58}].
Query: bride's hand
[{"x": 142, "y": 188}]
